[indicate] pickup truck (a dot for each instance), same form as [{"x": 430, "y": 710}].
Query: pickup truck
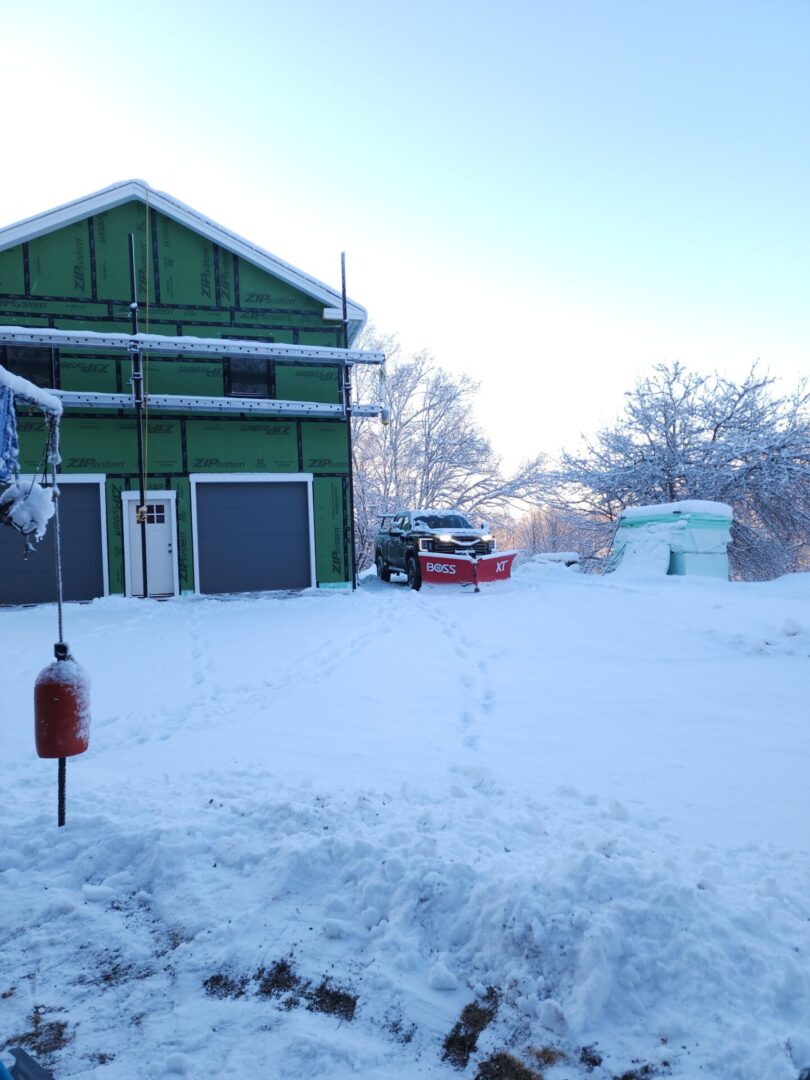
[{"x": 403, "y": 535}]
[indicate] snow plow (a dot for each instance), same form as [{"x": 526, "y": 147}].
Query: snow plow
[
  {"x": 440, "y": 547},
  {"x": 465, "y": 569}
]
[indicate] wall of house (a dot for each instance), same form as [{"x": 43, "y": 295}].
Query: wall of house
[{"x": 78, "y": 278}]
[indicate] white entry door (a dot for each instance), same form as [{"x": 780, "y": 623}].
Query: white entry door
[{"x": 161, "y": 544}]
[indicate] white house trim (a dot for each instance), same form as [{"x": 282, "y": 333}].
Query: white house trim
[{"x": 162, "y": 494}]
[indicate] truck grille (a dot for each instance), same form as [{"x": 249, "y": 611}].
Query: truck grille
[{"x": 480, "y": 547}]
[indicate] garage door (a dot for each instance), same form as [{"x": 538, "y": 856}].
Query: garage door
[
  {"x": 32, "y": 580},
  {"x": 252, "y": 536}
]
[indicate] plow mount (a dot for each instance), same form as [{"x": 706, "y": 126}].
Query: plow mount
[{"x": 465, "y": 569}]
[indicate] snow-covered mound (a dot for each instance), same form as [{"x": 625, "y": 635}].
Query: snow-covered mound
[{"x": 563, "y": 822}]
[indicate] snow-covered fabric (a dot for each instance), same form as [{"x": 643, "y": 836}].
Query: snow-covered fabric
[
  {"x": 9, "y": 443},
  {"x": 30, "y": 392},
  {"x": 28, "y": 507}
]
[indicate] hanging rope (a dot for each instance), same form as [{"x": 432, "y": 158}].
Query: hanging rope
[{"x": 53, "y": 461}]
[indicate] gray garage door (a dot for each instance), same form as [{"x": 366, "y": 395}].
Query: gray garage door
[
  {"x": 32, "y": 580},
  {"x": 252, "y": 536}
]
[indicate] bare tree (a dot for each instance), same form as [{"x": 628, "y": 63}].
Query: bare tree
[
  {"x": 432, "y": 453},
  {"x": 688, "y": 436},
  {"x": 548, "y": 530}
]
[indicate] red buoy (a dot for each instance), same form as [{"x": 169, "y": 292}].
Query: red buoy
[{"x": 62, "y": 707}]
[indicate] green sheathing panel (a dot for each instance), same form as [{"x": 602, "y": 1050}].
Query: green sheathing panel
[
  {"x": 59, "y": 263},
  {"x": 60, "y": 308},
  {"x": 325, "y": 447},
  {"x": 30, "y": 320},
  {"x": 79, "y": 280},
  {"x": 330, "y": 553},
  {"x": 95, "y": 375},
  {"x": 164, "y": 320},
  {"x": 226, "y": 270},
  {"x": 241, "y": 446},
  {"x": 115, "y": 535},
  {"x": 12, "y": 272},
  {"x": 99, "y": 326},
  {"x": 111, "y": 241},
  {"x": 109, "y": 445},
  {"x": 195, "y": 378},
  {"x": 33, "y": 435},
  {"x": 260, "y": 290},
  {"x": 185, "y": 265},
  {"x": 267, "y": 333},
  {"x": 329, "y": 338},
  {"x": 295, "y": 383},
  {"x": 181, "y": 377},
  {"x": 185, "y": 542}
]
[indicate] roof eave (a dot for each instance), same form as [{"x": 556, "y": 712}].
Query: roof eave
[{"x": 127, "y": 190}]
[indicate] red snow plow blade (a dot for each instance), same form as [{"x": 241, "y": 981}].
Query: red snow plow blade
[{"x": 464, "y": 569}]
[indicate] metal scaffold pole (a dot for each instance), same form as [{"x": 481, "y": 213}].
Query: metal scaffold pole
[
  {"x": 347, "y": 401},
  {"x": 137, "y": 395}
]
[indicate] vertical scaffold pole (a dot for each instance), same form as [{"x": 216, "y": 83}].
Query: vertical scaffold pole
[
  {"x": 137, "y": 395},
  {"x": 347, "y": 403}
]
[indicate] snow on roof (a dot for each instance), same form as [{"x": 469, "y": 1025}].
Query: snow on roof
[
  {"x": 29, "y": 392},
  {"x": 127, "y": 190},
  {"x": 685, "y": 506}
]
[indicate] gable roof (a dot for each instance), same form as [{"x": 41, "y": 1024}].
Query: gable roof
[{"x": 128, "y": 190}]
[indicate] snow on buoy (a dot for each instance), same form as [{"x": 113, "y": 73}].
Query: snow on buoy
[{"x": 62, "y": 707}]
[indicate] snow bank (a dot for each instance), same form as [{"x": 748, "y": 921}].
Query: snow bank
[
  {"x": 685, "y": 506},
  {"x": 646, "y": 551}
]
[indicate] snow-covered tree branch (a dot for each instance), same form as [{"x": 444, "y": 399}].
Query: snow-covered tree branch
[
  {"x": 432, "y": 453},
  {"x": 684, "y": 435}
]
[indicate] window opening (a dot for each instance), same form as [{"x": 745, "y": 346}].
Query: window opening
[
  {"x": 34, "y": 363},
  {"x": 249, "y": 376}
]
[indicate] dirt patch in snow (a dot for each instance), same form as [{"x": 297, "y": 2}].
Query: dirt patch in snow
[
  {"x": 547, "y": 1055},
  {"x": 44, "y": 1037},
  {"x": 504, "y": 1066},
  {"x": 329, "y": 999},
  {"x": 590, "y": 1058},
  {"x": 460, "y": 1044},
  {"x": 280, "y": 980},
  {"x": 221, "y": 985}
]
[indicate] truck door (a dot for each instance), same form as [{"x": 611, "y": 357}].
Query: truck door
[{"x": 396, "y": 555}]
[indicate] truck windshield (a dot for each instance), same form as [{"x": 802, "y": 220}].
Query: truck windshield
[{"x": 443, "y": 521}]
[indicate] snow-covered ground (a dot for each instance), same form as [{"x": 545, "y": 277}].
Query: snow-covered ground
[{"x": 311, "y": 830}]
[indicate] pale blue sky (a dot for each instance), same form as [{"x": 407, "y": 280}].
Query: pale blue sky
[{"x": 553, "y": 196}]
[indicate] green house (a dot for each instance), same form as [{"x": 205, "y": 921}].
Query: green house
[{"x": 243, "y": 442}]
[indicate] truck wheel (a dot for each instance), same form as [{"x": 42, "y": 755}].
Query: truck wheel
[
  {"x": 383, "y": 572},
  {"x": 414, "y": 576}
]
